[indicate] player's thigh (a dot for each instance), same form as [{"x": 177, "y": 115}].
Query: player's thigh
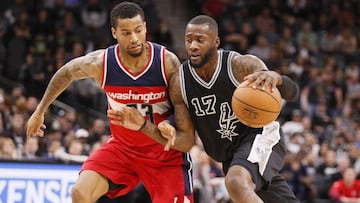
[{"x": 92, "y": 183}]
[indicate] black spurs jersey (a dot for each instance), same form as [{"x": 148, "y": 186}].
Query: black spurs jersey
[{"x": 209, "y": 105}]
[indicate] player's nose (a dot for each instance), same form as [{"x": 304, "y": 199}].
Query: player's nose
[
  {"x": 194, "y": 45},
  {"x": 134, "y": 38}
]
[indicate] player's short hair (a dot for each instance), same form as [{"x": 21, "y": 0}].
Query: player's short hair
[
  {"x": 125, "y": 10},
  {"x": 204, "y": 19}
]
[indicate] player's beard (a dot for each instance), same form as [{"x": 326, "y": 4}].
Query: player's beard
[{"x": 205, "y": 59}]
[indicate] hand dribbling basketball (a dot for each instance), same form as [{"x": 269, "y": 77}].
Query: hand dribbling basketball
[{"x": 256, "y": 106}]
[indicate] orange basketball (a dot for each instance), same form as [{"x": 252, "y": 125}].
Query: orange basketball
[{"x": 255, "y": 107}]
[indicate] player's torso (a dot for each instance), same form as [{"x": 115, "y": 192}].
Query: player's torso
[
  {"x": 210, "y": 107},
  {"x": 146, "y": 91}
]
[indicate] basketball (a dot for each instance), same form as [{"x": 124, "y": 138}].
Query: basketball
[{"x": 255, "y": 107}]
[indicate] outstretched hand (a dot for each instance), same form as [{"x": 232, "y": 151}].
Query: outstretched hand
[
  {"x": 127, "y": 117},
  {"x": 35, "y": 126},
  {"x": 169, "y": 132},
  {"x": 263, "y": 80}
]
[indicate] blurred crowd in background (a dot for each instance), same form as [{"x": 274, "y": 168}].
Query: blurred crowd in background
[{"x": 315, "y": 42}]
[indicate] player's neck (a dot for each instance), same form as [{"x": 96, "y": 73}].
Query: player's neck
[{"x": 207, "y": 71}]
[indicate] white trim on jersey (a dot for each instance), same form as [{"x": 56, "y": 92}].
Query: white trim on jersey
[
  {"x": 189, "y": 171},
  {"x": 212, "y": 81},
  {"x": 162, "y": 61},
  {"x": 135, "y": 77},
  {"x": 182, "y": 85},
  {"x": 104, "y": 69},
  {"x": 229, "y": 69}
]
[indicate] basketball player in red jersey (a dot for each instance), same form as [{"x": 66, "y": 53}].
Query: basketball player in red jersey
[{"x": 134, "y": 73}]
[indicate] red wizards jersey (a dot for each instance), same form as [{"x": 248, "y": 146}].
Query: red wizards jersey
[{"x": 146, "y": 91}]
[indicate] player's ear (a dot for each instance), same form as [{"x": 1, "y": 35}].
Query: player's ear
[
  {"x": 217, "y": 42},
  {"x": 113, "y": 32},
  {"x": 145, "y": 27}
]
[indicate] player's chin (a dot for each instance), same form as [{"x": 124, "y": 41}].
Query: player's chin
[
  {"x": 135, "y": 52},
  {"x": 195, "y": 64}
]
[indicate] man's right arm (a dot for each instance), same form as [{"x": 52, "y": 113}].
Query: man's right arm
[
  {"x": 185, "y": 131},
  {"x": 88, "y": 66}
]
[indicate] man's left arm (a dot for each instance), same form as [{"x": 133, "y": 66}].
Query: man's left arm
[{"x": 250, "y": 69}]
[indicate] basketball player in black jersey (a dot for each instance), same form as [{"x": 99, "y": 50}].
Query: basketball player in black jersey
[
  {"x": 251, "y": 157},
  {"x": 201, "y": 95}
]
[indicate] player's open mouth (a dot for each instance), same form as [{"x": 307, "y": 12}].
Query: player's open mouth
[
  {"x": 195, "y": 56},
  {"x": 135, "y": 48}
]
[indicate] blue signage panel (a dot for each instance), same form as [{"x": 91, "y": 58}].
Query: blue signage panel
[{"x": 37, "y": 182}]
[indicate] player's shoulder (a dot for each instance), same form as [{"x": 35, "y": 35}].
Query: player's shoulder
[
  {"x": 93, "y": 58},
  {"x": 239, "y": 60},
  {"x": 96, "y": 53},
  {"x": 172, "y": 62},
  {"x": 236, "y": 56}
]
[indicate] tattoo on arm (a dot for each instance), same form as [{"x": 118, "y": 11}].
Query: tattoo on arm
[
  {"x": 57, "y": 84},
  {"x": 93, "y": 58},
  {"x": 78, "y": 68},
  {"x": 243, "y": 65},
  {"x": 172, "y": 64}
]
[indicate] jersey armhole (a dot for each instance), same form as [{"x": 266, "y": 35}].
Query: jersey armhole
[
  {"x": 104, "y": 69},
  {"x": 182, "y": 84},
  {"x": 163, "y": 67},
  {"x": 230, "y": 71}
]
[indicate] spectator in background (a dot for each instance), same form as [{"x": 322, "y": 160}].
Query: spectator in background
[
  {"x": 307, "y": 34},
  {"x": 214, "y": 8},
  {"x": 5, "y": 111},
  {"x": 163, "y": 36},
  {"x": 3, "y": 30},
  {"x": 347, "y": 189},
  {"x": 296, "y": 175},
  {"x": 232, "y": 38},
  {"x": 201, "y": 174},
  {"x": 7, "y": 147},
  {"x": 294, "y": 125},
  {"x": 324, "y": 172},
  {"x": 43, "y": 24},
  {"x": 17, "y": 130},
  {"x": 94, "y": 16},
  {"x": 33, "y": 75},
  {"x": 53, "y": 147},
  {"x": 30, "y": 150},
  {"x": 261, "y": 49},
  {"x": 97, "y": 130},
  {"x": 347, "y": 45},
  {"x": 74, "y": 153},
  {"x": 17, "y": 46},
  {"x": 82, "y": 135}
]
